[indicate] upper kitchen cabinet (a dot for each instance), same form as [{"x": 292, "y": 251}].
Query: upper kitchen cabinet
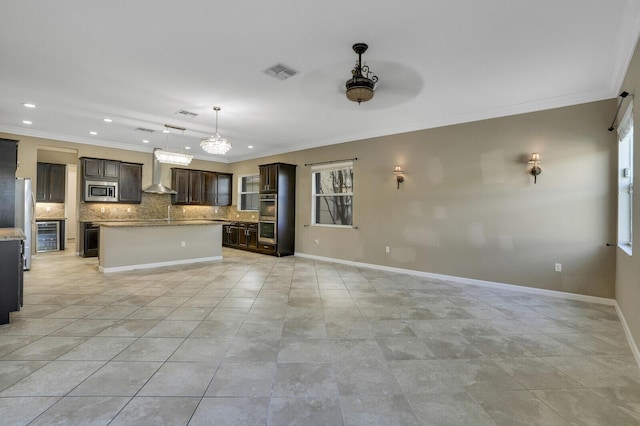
[
  {"x": 98, "y": 169},
  {"x": 269, "y": 179},
  {"x": 8, "y": 165},
  {"x": 217, "y": 189},
  {"x": 188, "y": 185},
  {"x": 50, "y": 183},
  {"x": 198, "y": 187},
  {"x": 130, "y": 183}
]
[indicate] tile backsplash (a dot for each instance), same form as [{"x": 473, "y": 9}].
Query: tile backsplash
[
  {"x": 154, "y": 206},
  {"x": 50, "y": 210}
]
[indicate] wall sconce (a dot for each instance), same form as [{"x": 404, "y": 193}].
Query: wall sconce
[
  {"x": 535, "y": 170},
  {"x": 397, "y": 170}
]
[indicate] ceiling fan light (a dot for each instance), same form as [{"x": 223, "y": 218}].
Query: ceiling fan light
[{"x": 360, "y": 87}]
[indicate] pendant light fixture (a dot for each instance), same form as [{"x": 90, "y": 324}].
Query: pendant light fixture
[
  {"x": 216, "y": 144},
  {"x": 170, "y": 157},
  {"x": 360, "y": 86}
]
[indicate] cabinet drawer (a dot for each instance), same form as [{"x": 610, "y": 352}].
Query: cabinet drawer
[{"x": 267, "y": 248}]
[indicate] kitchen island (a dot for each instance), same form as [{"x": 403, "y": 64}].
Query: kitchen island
[
  {"x": 126, "y": 246},
  {"x": 11, "y": 274}
]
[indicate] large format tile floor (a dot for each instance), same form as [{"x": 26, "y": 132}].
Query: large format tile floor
[{"x": 260, "y": 340}]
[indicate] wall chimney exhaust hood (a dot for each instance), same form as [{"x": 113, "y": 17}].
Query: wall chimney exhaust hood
[{"x": 156, "y": 186}]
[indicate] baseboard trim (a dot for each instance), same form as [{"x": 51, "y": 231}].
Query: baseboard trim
[
  {"x": 627, "y": 332},
  {"x": 463, "y": 280},
  {"x": 157, "y": 264}
]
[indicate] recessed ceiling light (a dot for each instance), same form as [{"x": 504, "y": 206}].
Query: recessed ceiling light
[
  {"x": 166, "y": 131},
  {"x": 187, "y": 147},
  {"x": 145, "y": 141},
  {"x": 93, "y": 133},
  {"x": 250, "y": 147},
  {"x": 26, "y": 122},
  {"x": 28, "y": 105},
  {"x": 107, "y": 120}
]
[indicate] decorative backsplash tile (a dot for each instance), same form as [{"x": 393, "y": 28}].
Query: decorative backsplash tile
[
  {"x": 49, "y": 210},
  {"x": 155, "y": 206}
]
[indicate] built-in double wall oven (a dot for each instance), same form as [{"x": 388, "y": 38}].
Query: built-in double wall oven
[{"x": 268, "y": 215}]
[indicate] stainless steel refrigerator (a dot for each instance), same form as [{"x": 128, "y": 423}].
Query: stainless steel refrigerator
[{"x": 25, "y": 215}]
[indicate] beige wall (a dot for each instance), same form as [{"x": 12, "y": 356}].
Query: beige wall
[
  {"x": 628, "y": 267},
  {"x": 469, "y": 208}
]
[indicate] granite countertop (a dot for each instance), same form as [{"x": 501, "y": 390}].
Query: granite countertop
[
  {"x": 158, "y": 222},
  {"x": 11, "y": 234},
  {"x": 45, "y": 219}
]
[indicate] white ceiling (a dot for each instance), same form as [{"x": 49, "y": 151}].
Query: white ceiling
[{"x": 439, "y": 62}]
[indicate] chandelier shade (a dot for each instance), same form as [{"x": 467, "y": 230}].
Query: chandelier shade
[
  {"x": 215, "y": 144},
  {"x": 360, "y": 87},
  {"x": 168, "y": 157}
]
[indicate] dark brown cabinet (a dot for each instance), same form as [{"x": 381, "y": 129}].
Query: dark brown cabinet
[
  {"x": 188, "y": 185},
  {"x": 198, "y": 187},
  {"x": 278, "y": 237},
  {"x": 8, "y": 165},
  {"x": 217, "y": 189},
  {"x": 242, "y": 235},
  {"x": 130, "y": 183},
  {"x": 96, "y": 168},
  {"x": 11, "y": 285},
  {"x": 230, "y": 235},
  {"x": 89, "y": 239},
  {"x": 248, "y": 235},
  {"x": 50, "y": 182},
  {"x": 269, "y": 179}
]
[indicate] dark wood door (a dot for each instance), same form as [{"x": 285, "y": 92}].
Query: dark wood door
[
  {"x": 196, "y": 187},
  {"x": 91, "y": 241},
  {"x": 210, "y": 191},
  {"x": 92, "y": 168},
  {"x": 252, "y": 236},
  {"x": 8, "y": 165},
  {"x": 41, "y": 182},
  {"x": 269, "y": 179},
  {"x": 230, "y": 235},
  {"x": 57, "y": 182},
  {"x": 110, "y": 168},
  {"x": 130, "y": 183},
  {"x": 50, "y": 182},
  {"x": 180, "y": 184},
  {"x": 223, "y": 189}
]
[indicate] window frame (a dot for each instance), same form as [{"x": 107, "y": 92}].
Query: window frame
[
  {"x": 314, "y": 196},
  {"x": 625, "y": 180},
  {"x": 241, "y": 193}
]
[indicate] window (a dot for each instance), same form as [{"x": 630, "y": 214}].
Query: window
[
  {"x": 332, "y": 194},
  {"x": 625, "y": 180},
  {"x": 248, "y": 192}
]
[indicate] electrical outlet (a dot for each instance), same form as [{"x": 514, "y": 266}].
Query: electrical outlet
[
  {"x": 128, "y": 209},
  {"x": 184, "y": 210},
  {"x": 558, "y": 267},
  {"x": 316, "y": 241},
  {"x": 101, "y": 209},
  {"x": 183, "y": 244},
  {"x": 388, "y": 249},
  {"x": 48, "y": 208}
]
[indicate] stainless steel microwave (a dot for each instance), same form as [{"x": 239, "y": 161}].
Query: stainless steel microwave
[{"x": 103, "y": 192}]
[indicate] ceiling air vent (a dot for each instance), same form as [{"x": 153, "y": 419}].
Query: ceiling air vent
[
  {"x": 280, "y": 71},
  {"x": 187, "y": 114},
  {"x": 142, "y": 129}
]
